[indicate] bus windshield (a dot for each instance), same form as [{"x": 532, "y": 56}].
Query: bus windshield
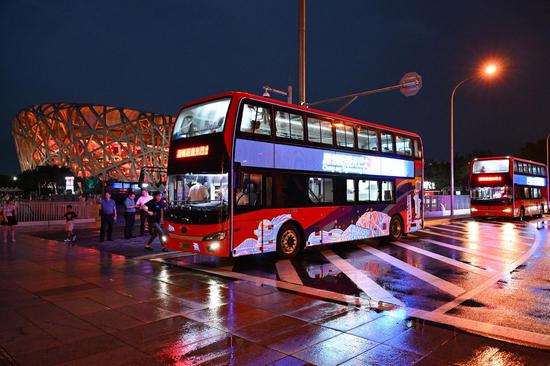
[
  {"x": 197, "y": 188},
  {"x": 491, "y": 166},
  {"x": 201, "y": 119}
]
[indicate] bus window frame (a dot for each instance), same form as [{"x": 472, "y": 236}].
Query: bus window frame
[{"x": 250, "y": 135}]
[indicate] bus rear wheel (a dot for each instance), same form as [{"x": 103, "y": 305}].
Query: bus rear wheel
[
  {"x": 289, "y": 242},
  {"x": 396, "y": 228}
]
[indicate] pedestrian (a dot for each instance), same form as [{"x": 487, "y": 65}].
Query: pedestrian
[
  {"x": 70, "y": 215},
  {"x": 153, "y": 209},
  {"x": 108, "y": 217},
  {"x": 129, "y": 215},
  {"x": 9, "y": 219},
  {"x": 198, "y": 193},
  {"x": 142, "y": 200}
]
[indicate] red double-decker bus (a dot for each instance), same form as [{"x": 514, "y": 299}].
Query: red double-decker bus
[
  {"x": 505, "y": 186},
  {"x": 249, "y": 175}
]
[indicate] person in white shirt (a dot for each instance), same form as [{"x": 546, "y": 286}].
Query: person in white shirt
[
  {"x": 142, "y": 200},
  {"x": 198, "y": 193}
]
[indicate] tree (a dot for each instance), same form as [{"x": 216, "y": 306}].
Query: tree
[{"x": 44, "y": 179}]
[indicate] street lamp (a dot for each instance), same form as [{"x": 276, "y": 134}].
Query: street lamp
[
  {"x": 288, "y": 92},
  {"x": 489, "y": 70}
]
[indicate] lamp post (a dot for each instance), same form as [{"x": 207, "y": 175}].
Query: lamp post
[
  {"x": 488, "y": 71},
  {"x": 547, "y": 176}
]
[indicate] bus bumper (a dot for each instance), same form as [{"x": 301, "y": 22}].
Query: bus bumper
[
  {"x": 198, "y": 239},
  {"x": 492, "y": 211}
]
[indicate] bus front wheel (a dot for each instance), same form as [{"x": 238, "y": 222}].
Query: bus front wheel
[
  {"x": 288, "y": 241},
  {"x": 396, "y": 228}
]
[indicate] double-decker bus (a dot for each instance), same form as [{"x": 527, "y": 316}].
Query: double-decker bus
[
  {"x": 505, "y": 186},
  {"x": 250, "y": 175}
]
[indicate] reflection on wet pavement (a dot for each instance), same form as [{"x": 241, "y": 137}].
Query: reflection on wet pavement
[{"x": 79, "y": 305}]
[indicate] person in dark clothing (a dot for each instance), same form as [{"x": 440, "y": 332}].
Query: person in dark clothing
[
  {"x": 129, "y": 215},
  {"x": 108, "y": 217},
  {"x": 154, "y": 208},
  {"x": 70, "y": 215}
]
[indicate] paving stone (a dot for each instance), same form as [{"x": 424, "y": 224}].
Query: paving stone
[
  {"x": 383, "y": 355},
  {"x": 335, "y": 350}
]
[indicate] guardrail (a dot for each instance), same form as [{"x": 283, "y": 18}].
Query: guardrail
[
  {"x": 440, "y": 205},
  {"x": 31, "y": 211}
]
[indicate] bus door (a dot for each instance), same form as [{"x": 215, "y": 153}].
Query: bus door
[{"x": 252, "y": 232}]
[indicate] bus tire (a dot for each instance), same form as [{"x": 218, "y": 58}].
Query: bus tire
[
  {"x": 522, "y": 213},
  {"x": 396, "y": 228},
  {"x": 289, "y": 241}
]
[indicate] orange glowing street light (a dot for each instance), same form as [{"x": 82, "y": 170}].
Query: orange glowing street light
[{"x": 489, "y": 70}]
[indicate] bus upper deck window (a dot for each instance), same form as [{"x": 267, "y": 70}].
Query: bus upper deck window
[
  {"x": 386, "y": 142},
  {"x": 417, "y": 149},
  {"x": 367, "y": 139},
  {"x": 319, "y": 131},
  {"x": 256, "y": 120},
  {"x": 289, "y": 126},
  {"x": 344, "y": 135},
  {"x": 403, "y": 146}
]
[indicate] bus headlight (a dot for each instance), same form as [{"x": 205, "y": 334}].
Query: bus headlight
[
  {"x": 213, "y": 247},
  {"x": 164, "y": 238},
  {"x": 216, "y": 236},
  {"x": 507, "y": 210},
  {"x": 473, "y": 209}
]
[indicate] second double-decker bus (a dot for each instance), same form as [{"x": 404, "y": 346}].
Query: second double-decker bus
[
  {"x": 505, "y": 186},
  {"x": 250, "y": 175}
]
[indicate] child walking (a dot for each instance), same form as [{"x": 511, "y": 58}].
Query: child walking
[{"x": 70, "y": 215}]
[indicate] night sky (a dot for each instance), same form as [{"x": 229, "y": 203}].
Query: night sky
[{"x": 155, "y": 56}]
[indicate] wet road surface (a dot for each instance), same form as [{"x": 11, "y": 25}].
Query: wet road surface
[{"x": 152, "y": 308}]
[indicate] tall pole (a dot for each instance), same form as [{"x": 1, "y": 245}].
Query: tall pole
[
  {"x": 547, "y": 176},
  {"x": 302, "y": 52},
  {"x": 453, "y": 145}
]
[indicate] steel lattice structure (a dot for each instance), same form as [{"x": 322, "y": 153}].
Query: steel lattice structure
[{"x": 92, "y": 140}]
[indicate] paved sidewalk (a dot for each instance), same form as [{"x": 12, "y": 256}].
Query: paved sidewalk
[{"x": 63, "y": 305}]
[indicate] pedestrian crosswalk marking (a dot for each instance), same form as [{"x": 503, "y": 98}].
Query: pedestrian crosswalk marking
[
  {"x": 485, "y": 230},
  {"x": 440, "y": 283},
  {"x": 361, "y": 279},
  {"x": 444, "y": 259},
  {"x": 483, "y": 243},
  {"x": 483, "y": 235},
  {"x": 287, "y": 272},
  {"x": 493, "y": 258}
]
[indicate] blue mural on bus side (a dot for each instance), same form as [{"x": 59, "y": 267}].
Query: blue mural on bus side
[{"x": 269, "y": 155}]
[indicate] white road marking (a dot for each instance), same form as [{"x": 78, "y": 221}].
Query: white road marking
[
  {"x": 484, "y": 243},
  {"x": 287, "y": 272},
  {"x": 486, "y": 284},
  {"x": 305, "y": 290},
  {"x": 163, "y": 255},
  {"x": 489, "y": 229},
  {"x": 494, "y": 258},
  {"x": 441, "y": 284},
  {"x": 361, "y": 279},
  {"x": 513, "y": 335},
  {"x": 452, "y": 262},
  {"x": 485, "y": 235}
]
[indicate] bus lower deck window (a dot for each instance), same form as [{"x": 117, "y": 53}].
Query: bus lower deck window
[
  {"x": 368, "y": 190},
  {"x": 320, "y": 190}
]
